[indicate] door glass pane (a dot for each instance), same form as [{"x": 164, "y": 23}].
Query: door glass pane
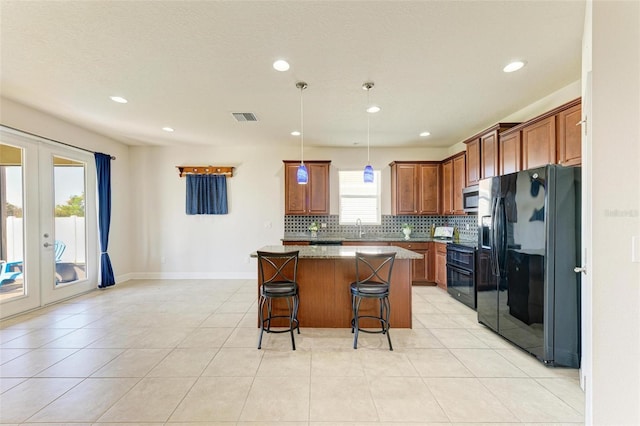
[
  {"x": 70, "y": 228},
  {"x": 11, "y": 223}
]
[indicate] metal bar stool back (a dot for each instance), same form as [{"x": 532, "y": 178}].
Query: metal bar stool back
[
  {"x": 278, "y": 275},
  {"x": 373, "y": 281}
]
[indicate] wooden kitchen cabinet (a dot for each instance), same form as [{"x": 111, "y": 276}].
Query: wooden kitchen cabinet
[
  {"x": 473, "y": 161},
  {"x": 569, "y": 136},
  {"x": 415, "y": 187},
  {"x": 483, "y": 153},
  {"x": 539, "y": 143},
  {"x": 453, "y": 182},
  {"x": 365, "y": 243},
  {"x": 553, "y": 137},
  {"x": 447, "y": 187},
  {"x": 422, "y": 270},
  {"x": 295, "y": 243},
  {"x": 312, "y": 198},
  {"x": 459, "y": 182},
  {"x": 510, "y": 156},
  {"x": 489, "y": 154},
  {"x": 441, "y": 265}
]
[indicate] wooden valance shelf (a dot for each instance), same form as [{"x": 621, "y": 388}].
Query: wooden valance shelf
[{"x": 206, "y": 170}]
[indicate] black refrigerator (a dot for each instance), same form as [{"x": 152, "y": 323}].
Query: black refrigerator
[{"x": 528, "y": 246}]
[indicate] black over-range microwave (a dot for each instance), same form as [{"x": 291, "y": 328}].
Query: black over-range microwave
[{"x": 470, "y": 199}]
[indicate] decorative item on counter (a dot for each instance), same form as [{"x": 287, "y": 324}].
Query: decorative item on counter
[
  {"x": 456, "y": 235},
  {"x": 406, "y": 230},
  {"x": 433, "y": 230},
  {"x": 314, "y": 228}
]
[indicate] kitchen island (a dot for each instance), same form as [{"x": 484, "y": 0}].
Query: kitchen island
[{"x": 324, "y": 275}]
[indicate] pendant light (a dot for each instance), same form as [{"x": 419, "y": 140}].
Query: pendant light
[
  {"x": 303, "y": 175},
  {"x": 368, "y": 170}
]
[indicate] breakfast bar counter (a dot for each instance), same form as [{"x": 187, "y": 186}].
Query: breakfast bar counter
[{"x": 324, "y": 275}]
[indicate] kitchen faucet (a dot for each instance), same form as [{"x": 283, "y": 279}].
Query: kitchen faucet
[{"x": 359, "y": 225}]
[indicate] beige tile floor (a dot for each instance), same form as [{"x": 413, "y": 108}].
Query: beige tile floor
[{"x": 183, "y": 352}]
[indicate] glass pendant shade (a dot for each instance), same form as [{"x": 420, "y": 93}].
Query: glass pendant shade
[
  {"x": 368, "y": 174},
  {"x": 303, "y": 176}
]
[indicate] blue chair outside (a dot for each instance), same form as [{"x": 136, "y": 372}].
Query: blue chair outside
[
  {"x": 10, "y": 271},
  {"x": 59, "y": 248}
]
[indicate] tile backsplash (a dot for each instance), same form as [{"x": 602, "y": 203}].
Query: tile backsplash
[{"x": 467, "y": 225}]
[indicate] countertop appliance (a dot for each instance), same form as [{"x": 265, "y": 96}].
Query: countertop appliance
[
  {"x": 461, "y": 277},
  {"x": 443, "y": 232},
  {"x": 528, "y": 245}
]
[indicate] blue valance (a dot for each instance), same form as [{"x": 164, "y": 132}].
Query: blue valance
[{"x": 206, "y": 194}]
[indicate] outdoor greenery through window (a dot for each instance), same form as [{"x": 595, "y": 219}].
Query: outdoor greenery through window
[{"x": 359, "y": 200}]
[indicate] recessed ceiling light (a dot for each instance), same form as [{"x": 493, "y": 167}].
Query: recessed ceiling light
[
  {"x": 513, "y": 66},
  {"x": 119, "y": 99},
  {"x": 168, "y": 129},
  {"x": 373, "y": 109},
  {"x": 295, "y": 133},
  {"x": 425, "y": 134},
  {"x": 281, "y": 65}
]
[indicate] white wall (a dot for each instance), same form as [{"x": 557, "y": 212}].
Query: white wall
[
  {"x": 171, "y": 244},
  {"x": 616, "y": 212},
  {"x": 24, "y": 118},
  {"x": 547, "y": 103}
]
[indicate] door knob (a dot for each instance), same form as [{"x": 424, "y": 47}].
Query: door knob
[{"x": 579, "y": 269}]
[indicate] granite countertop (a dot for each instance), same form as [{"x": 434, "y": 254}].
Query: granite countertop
[
  {"x": 373, "y": 237},
  {"x": 340, "y": 252}
]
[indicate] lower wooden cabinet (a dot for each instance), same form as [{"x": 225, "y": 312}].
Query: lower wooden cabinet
[
  {"x": 295, "y": 243},
  {"x": 441, "y": 264},
  {"x": 422, "y": 270},
  {"x": 365, "y": 243}
]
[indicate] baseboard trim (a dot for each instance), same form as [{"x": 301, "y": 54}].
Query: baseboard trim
[{"x": 191, "y": 276}]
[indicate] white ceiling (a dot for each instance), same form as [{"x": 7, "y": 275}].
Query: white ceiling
[{"x": 437, "y": 66}]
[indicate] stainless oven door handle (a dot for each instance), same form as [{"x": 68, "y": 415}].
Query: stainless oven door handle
[{"x": 461, "y": 271}]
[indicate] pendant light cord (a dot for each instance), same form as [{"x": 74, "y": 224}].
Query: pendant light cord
[
  {"x": 368, "y": 120},
  {"x": 301, "y": 126}
]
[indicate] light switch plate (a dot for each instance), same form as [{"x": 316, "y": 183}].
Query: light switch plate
[{"x": 635, "y": 248}]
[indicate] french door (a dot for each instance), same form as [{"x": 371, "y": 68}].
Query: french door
[{"x": 48, "y": 230}]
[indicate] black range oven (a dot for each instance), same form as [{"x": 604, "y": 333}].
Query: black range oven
[{"x": 461, "y": 273}]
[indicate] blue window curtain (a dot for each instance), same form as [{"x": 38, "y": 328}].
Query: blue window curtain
[
  {"x": 206, "y": 194},
  {"x": 103, "y": 169}
]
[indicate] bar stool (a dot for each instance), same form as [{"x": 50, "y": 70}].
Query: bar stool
[
  {"x": 278, "y": 274},
  {"x": 373, "y": 280}
]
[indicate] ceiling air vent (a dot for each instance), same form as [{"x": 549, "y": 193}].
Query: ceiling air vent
[{"x": 244, "y": 116}]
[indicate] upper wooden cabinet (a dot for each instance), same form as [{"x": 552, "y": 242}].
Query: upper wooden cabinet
[
  {"x": 509, "y": 157},
  {"x": 553, "y": 137},
  {"x": 483, "y": 153},
  {"x": 447, "y": 187},
  {"x": 453, "y": 182},
  {"x": 415, "y": 187},
  {"x": 459, "y": 181},
  {"x": 312, "y": 198},
  {"x": 473, "y": 161},
  {"x": 569, "y": 137},
  {"x": 489, "y": 154},
  {"x": 539, "y": 143},
  {"x": 429, "y": 195}
]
